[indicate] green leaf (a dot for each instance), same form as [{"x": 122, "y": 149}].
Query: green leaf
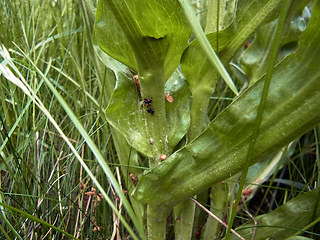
[
  {"x": 249, "y": 16},
  {"x": 263, "y": 170},
  {"x": 157, "y": 34},
  {"x": 113, "y": 64},
  {"x": 253, "y": 59},
  {"x": 178, "y": 111},
  {"x": 284, "y": 221},
  {"x": 128, "y": 113},
  {"x": 202, "y": 78},
  {"x": 224, "y": 10},
  {"x": 291, "y": 109},
  {"x": 110, "y": 37},
  {"x": 144, "y": 31}
]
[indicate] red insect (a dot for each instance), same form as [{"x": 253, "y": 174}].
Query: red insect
[
  {"x": 168, "y": 97},
  {"x": 134, "y": 179},
  {"x": 163, "y": 157},
  {"x": 247, "y": 45},
  {"x": 137, "y": 82}
]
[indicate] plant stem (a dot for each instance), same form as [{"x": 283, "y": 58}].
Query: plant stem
[
  {"x": 218, "y": 197},
  {"x": 152, "y": 86},
  {"x": 157, "y": 222},
  {"x": 199, "y": 108},
  {"x": 184, "y": 218}
]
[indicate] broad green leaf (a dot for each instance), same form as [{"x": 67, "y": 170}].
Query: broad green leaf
[
  {"x": 220, "y": 151},
  {"x": 253, "y": 60},
  {"x": 250, "y": 15},
  {"x": 144, "y": 31},
  {"x": 178, "y": 111},
  {"x": 110, "y": 37},
  {"x": 284, "y": 221},
  {"x": 127, "y": 113}
]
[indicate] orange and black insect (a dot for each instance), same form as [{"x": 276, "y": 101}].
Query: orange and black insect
[{"x": 135, "y": 77}]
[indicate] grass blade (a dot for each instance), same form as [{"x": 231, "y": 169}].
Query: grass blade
[{"x": 206, "y": 47}]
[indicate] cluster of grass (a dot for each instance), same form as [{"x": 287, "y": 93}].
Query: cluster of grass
[
  {"x": 39, "y": 174},
  {"x": 40, "y": 178}
]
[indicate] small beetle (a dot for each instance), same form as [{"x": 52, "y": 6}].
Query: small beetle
[
  {"x": 150, "y": 110},
  {"x": 163, "y": 157},
  {"x": 147, "y": 101}
]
